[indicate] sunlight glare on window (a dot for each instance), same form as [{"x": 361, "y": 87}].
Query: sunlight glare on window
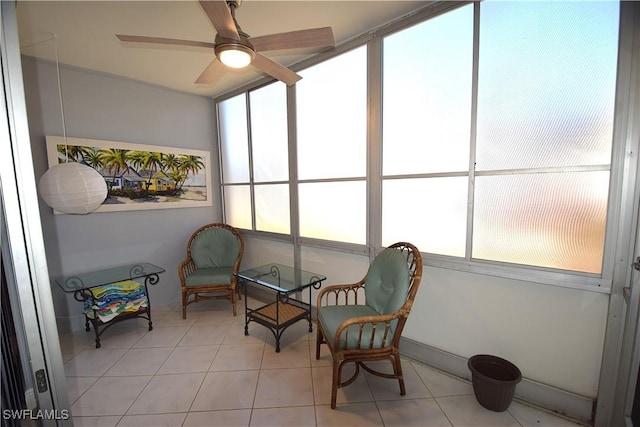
[
  {"x": 272, "y": 208},
  {"x": 234, "y": 139},
  {"x": 334, "y": 211},
  {"x": 440, "y": 230},
  {"x": 331, "y": 103},
  {"x": 269, "y": 136},
  {"x": 237, "y": 207},
  {"x": 427, "y": 95}
]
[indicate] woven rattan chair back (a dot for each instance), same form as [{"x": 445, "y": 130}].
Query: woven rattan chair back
[{"x": 214, "y": 253}]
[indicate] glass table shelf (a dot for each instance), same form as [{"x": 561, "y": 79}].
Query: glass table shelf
[{"x": 91, "y": 279}]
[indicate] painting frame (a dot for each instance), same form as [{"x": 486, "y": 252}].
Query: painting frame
[{"x": 140, "y": 176}]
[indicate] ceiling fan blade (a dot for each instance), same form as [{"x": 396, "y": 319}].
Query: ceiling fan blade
[
  {"x": 162, "y": 40},
  {"x": 221, "y": 18},
  {"x": 313, "y": 37},
  {"x": 274, "y": 69},
  {"x": 212, "y": 73}
]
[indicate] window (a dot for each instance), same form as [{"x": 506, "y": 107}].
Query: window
[
  {"x": 426, "y": 132},
  {"x": 331, "y": 104},
  {"x": 545, "y": 124},
  {"x": 496, "y": 140},
  {"x": 255, "y": 171},
  {"x": 270, "y": 148},
  {"x": 234, "y": 159},
  {"x": 530, "y": 186}
]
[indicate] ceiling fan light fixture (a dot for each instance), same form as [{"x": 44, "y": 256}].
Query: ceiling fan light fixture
[{"x": 234, "y": 55}]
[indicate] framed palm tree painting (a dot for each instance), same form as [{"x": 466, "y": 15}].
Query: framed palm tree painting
[{"x": 140, "y": 176}]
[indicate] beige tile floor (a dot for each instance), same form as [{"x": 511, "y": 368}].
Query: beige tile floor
[{"x": 203, "y": 371}]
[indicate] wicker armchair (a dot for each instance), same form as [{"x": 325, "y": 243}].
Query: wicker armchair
[
  {"x": 362, "y": 322},
  {"x": 214, "y": 252}
]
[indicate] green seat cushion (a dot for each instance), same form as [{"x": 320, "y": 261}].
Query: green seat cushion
[
  {"x": 331, "y": 316},
  {"x": 210, "y": 276},
  {"x": 387, "y": 282},
  {"x": 215, "y": 247}
]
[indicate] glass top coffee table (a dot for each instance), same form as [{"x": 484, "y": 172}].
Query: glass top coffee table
[
  {"x": 112, "y": 294},
  {"x": 286, "y": 310}
]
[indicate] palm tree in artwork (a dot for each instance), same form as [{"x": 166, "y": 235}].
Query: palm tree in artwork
[
  {"x": 116, "y": 161},
  {"x": 73, "y": 153},
  {"x": 171, "y": 167},
  {"x": 136, "y": 158},
  {"x": 177, "y": 177},
  {"x": 170, "y": 162},
  {"x": 146, "y": 161},
  {"x": 151, "y": 162},
  {"x": 191, "y": 164},
  {"x": 94, "y": 159}
]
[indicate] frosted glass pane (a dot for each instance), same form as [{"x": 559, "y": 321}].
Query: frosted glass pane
[
  {"x": 232, "y": 115},
  {"x": 332, "y": 117},
  {"x": 431, "y": 213},
  {"x": 334, "y": 211},
  {"x": 237, "y": 206},
  {"x": 546, "y": 83},
  {"x": 427, "y": 95},
  {"x": 552, "y": 220},
  {"x": 272, "y": 208},
  {"x": 269, "y": 136}
]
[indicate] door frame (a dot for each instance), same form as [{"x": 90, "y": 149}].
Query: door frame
[
  {"x": 630, "y": 360},
  {"x": 621, "y": 357},
  {"x": 23, "y": 251},
  {"x": 621, "y": 327},
  {"x": 630, "y": 346}
]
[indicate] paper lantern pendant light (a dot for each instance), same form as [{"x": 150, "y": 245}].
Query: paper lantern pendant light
[{"x": 73, "y": 188}]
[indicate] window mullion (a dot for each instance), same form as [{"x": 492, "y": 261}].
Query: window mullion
[
  {"x": 250, "y": 154},
  {"x": 473, "y": 129},
  {"x": 294, "y": 214},
  {"x": 374, "y": 146}
]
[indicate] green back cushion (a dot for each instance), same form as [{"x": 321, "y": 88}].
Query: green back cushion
[
  {"x": 215, "y": 247},
  {"x": 387, "y": 282}
]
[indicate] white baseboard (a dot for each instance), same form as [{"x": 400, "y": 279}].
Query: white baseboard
[{"x": 547, "y": 397}]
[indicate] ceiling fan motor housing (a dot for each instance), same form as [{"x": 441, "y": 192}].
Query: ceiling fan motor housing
[{"x": 227, "y": 46}]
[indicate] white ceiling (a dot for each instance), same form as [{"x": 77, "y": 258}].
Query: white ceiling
[{"x": 85, "y": 32}]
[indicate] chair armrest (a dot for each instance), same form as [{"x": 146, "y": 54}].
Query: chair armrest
[
  {"x": 367, "y": 327},
  {"x": 185, "y": 268},
  {"x": 330, "y": 295}
]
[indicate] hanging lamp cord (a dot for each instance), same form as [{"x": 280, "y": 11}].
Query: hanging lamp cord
[{"x": 64, "y": 128}]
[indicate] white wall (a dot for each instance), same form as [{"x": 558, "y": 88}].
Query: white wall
[
  {"x": 103, "y": 107},
  {"x": 554, "y": 335}
]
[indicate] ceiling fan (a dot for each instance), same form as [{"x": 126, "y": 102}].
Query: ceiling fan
[{"x": 236, "y": 49}]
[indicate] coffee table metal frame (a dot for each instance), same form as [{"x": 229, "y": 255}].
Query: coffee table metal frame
[{"x": 286, "y": 310}]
